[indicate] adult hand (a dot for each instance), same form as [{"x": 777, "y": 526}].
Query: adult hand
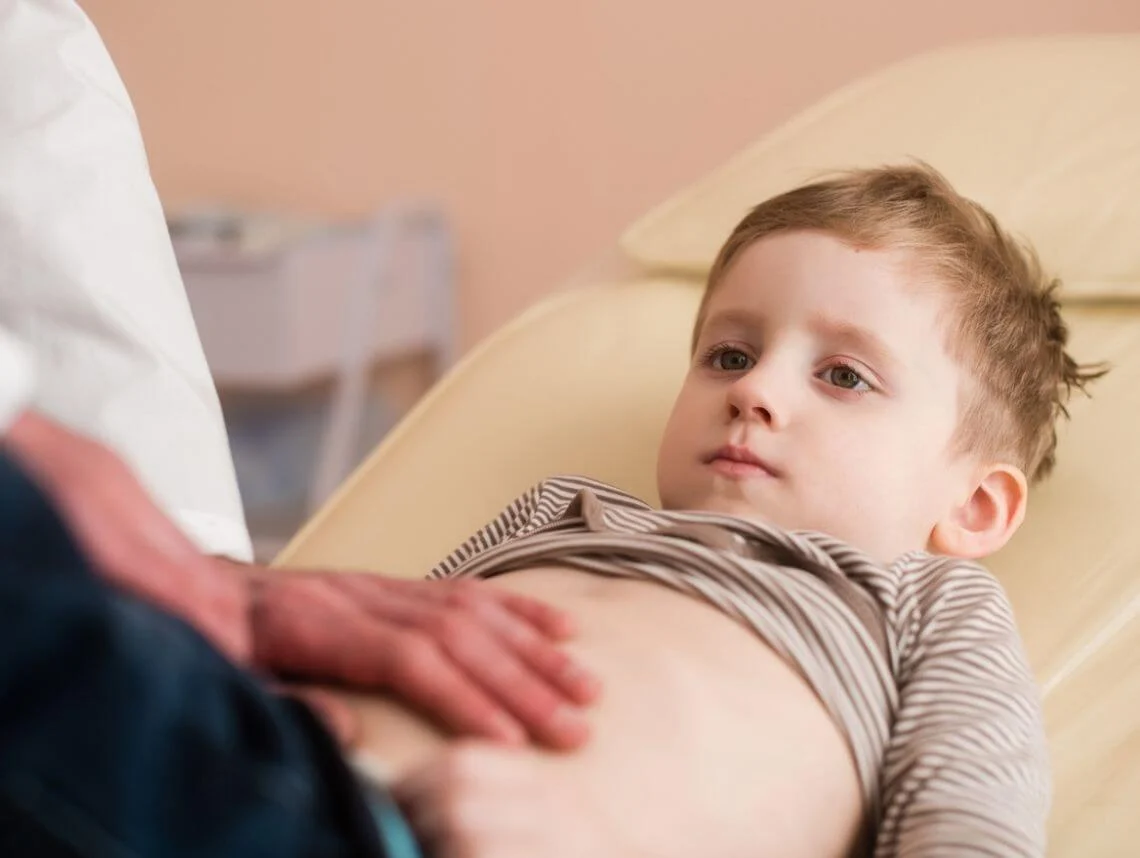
[
  {"x": 126, "y": 537},
  {"x": 476, "y": 800},
  {"x": 482, "y": 660}
]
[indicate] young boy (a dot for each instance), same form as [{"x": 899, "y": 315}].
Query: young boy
[{"x": 799, "y": 654}]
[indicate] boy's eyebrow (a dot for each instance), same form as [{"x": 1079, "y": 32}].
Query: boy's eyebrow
[
  {"x": 858, "y": 338},
  {"x": 734, "y": 319}
]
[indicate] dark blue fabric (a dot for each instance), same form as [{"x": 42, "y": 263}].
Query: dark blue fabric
[{"x": 123, "y": 734}]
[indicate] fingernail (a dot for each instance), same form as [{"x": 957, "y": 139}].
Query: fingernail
[
  {"x": 568, "y": 723},
  {"x": 584, "y": 683}
]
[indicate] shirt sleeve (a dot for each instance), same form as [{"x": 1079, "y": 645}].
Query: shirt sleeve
[
  {"x": 88, "y": 279},
  {"x": 966, "y": 771}
]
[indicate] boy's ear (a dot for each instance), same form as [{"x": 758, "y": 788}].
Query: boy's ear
[{"x": 987, "y": 518}]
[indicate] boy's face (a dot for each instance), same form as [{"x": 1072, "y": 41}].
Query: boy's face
[{"x": 820, "y": 397}]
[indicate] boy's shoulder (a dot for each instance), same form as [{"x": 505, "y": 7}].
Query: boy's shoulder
[
  {"x": 937, "y": 591},
  {"x": 924, "y": 569}
]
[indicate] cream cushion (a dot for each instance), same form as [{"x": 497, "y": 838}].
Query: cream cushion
[
  {"x": 1045, "y": 132},
  {"x": 582, "y": 383},
  {"x": 585, "y": 380}
]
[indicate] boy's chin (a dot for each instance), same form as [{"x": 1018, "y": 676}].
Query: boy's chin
[{"x": 736, "y": 504}]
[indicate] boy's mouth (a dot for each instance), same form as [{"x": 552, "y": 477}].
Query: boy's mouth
[{"x": 733, "y": 461}]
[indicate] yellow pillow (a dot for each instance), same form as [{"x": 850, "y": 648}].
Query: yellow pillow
[{"x": 1045, "y": 132}]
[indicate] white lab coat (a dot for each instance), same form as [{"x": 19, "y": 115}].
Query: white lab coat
[{"x": 90, "y": 293}]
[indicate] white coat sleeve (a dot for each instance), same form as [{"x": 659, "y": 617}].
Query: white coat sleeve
[
  {"x": 15, "y": 380},
  {"x": 88, "y": 279}
]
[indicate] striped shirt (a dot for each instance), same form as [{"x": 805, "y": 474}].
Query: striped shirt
[{"x": 918, "y": 662}]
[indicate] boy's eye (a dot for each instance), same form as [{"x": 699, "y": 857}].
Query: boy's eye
[
  {"x": 732, "y": 360},
  {"x": 845, "y": 377}
]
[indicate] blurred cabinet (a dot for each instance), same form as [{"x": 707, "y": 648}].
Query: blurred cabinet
[{"x": 294, "y": 317}]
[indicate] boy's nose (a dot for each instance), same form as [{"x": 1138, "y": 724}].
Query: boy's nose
[
  {"x": 753, "y": 398},
  {"x": 760, "y": 412}
]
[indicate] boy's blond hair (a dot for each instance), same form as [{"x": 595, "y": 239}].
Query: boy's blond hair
[{"x": 1005, "y": 322}]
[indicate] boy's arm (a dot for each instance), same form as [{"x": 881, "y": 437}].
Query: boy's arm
[{"x": 966, "y": 771}]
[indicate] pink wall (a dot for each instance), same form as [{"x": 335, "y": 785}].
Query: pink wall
[{"x": 543, "y": 127}]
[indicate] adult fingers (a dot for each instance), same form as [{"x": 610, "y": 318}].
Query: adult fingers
[
  {"x": 308, "y": 629},
  {"x": 418, "y": 670},
  {"x": 550, "y": 662},
  {"x": 438, "y": 613},
  {"x": 445, "y": 660},
  {"x": 498, "y": 669},
  {"x": 547, "y": 619}
]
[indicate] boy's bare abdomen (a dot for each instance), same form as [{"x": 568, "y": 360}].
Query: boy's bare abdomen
[{"x": 704, "y": 741}]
